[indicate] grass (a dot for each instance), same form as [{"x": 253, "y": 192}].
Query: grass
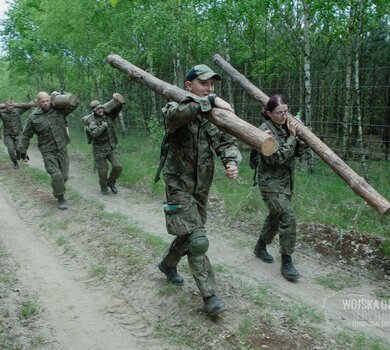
[
  {"x": 338, "y": 281},
  {"x": 360, "y": 342},
  {"x": 319, "y": 197},
  {"x": 29, "y": 308}
]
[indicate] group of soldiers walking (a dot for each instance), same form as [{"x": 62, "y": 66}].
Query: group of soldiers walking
[{"x": 187, "y": 162}]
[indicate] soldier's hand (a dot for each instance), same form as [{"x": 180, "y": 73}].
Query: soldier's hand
[
  {"x": 23, "y": 156},
  {"x": 231, "y": 171},
  {"x": 220, "y": 103}
]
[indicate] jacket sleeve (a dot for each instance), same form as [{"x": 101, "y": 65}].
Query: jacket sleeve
[
  {"x": 114, "y": 113},
  {"x": 178, "y": 114},
  {"x": 28, "y": 133},
  {"x": 284, "y": 153},
  {"x": 94, "y": 129}
]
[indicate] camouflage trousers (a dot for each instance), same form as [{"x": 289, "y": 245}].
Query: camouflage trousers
[
  {"x": 57, "y": 166},
  {"x": 102, "y": 158},
  {"x": 190, "y": 219},
  {"x": 280, "y": 220},
  {"x": 11, "y": 142}
]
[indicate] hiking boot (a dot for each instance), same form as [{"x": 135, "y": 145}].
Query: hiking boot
[
  {"x": 287, "y": 269},
  {"x": 261, "y": 252},
  {"x": 171, "y": 273},
  {"x": 16, "y": 165},
  {"x": 114, "y": 190},
  {"x": 213, "y": 306},
  {"x": 62, "y": 205},
  {"x": 104, "y": 191}
]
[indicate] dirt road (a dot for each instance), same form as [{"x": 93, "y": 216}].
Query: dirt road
[{"x": 124, "y": 312}]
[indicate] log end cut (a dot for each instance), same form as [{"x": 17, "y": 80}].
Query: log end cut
[{"x": 269, "y": 146}]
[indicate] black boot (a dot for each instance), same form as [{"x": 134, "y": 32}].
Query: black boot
[
  {"x": 213, "y": 306},
  {"x": 171, "y": 273},
  {"x": 62, "y": 205},
  {"x": 261, "y": 252},
  {"x": 16, "y": 165},
  {"x": 114, "y": 190},
  {"x": 287, "y": 269},
  {"x": 104, "y": 190}
]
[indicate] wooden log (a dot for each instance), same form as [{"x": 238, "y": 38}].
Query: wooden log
[
  {"x": 223, "y": 119},
  {"x": 354, "y": 181},
  {"x": 21, "y": 105}
]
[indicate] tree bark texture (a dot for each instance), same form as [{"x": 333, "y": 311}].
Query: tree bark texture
[
  {"x": 223, "y": 119},
  {"x": 354, "y": 181},
  {"x": 21, "y": 105}
]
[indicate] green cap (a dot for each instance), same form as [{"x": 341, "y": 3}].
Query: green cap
[{"x": 202, "y": 72}]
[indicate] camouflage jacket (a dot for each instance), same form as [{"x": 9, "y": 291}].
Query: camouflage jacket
[
  {"x": 276, "y": 172},
  {"x": 11, "y": 121},
  {"x": 103, "y": 138},
  {"x": 193, "y": 140},
  {"x": 50, "y": 128}
]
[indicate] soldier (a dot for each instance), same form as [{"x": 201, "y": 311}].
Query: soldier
[
  {"x": 101, "y": 132},
  {"x": 49, "y": 123},
  {"x": 12, "y": 129},
  {"x": 276, "y": 183},
  {"x": 188, "y": 156}
]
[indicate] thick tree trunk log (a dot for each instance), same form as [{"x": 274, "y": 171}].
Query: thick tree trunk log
[
  {"x": 21, "y": 105},
  {"x": 356, "y": 182},
  {"x": 223, "y": 119}
]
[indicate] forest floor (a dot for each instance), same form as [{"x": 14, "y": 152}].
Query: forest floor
[{"x": 87, "y": 278}]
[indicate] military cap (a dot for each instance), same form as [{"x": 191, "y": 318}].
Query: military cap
[
  {"x": 95, "y": 104},
  {"x": 202, "y": 72}
]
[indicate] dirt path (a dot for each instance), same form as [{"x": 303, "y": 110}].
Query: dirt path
[{"x": 76, "y": 317}]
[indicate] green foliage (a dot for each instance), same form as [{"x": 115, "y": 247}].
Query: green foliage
[
  {"x": 29, "y": 308},
  {"x": 338, "y": 281}
]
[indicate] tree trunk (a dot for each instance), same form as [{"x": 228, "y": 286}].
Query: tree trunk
[
  {"x": 223, "y": 119},
  {"x": 21, "y": 105},
  {"x": 355, "y": 182}
]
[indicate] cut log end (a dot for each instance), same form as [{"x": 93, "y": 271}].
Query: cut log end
[{"x": 269, "y": 146}]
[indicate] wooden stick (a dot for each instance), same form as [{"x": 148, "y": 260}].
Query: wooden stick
[
  {"x": 223, "y": 119},
  {"x": 20, "y": 105},
  {"x": 356, "y": 182}
]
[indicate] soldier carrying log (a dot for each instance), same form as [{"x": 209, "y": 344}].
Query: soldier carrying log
[{"x": 12, "y": 129}]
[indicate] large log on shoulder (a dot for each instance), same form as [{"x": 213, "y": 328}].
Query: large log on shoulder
[
  {"x": 21, "y": 105},
  {"x": 355, "y": 182},
  {"x": 223, "y": 119}
]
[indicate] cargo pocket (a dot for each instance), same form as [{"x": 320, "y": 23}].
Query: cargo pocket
[{"x": 182, "y": 220}]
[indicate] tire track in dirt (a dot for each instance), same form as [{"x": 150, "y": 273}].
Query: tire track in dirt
[{"x": 147, "y": 214}]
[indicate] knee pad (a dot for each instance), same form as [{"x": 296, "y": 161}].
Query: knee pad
[{"x": 199, "y": 244}]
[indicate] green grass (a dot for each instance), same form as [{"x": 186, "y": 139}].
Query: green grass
[
  {"x": 29, "y": 308},
  {"x": 338, "y": 281}
]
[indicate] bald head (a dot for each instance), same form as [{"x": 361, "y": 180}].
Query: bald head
[{"x": 44, "y": 100}]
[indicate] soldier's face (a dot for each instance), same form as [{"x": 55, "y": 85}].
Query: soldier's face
[
  {"x": 10, "y": 106},
  {"x": 279, "y": 114},
  {"x": 44, "y": 103},
  {"x": 99, "y": 112},
  {"x": 201, "y": 88}
]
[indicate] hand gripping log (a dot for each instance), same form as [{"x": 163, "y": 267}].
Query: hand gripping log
[
  {"x": 356, "y": 182},
  {"x": 223, "y": 119}
]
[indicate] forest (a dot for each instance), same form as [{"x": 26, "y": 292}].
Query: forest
[{"x": 330, "y": 58}]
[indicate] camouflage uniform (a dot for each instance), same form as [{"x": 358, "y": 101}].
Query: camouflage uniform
[
  {"x": 104, "y": 146},
  {"x": 188, "y": 174},
  {"x": 12, "y": 130},
  {"x": 276, "y": 183},
  {"x": 51, "y": 130}
]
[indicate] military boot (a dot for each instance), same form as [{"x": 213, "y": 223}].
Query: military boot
[
  {"x": 213, "y": 306},
  {"x": 114, "y": 190},
  {"x": 261, "y": 252},
  {"x": 62, "y": 205},
  {"x": 16, "y": 165},
  {"x": 287, "y": 269},
  {"x": 104, "y": 190},
  {"x": 171, "y": 273}
]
